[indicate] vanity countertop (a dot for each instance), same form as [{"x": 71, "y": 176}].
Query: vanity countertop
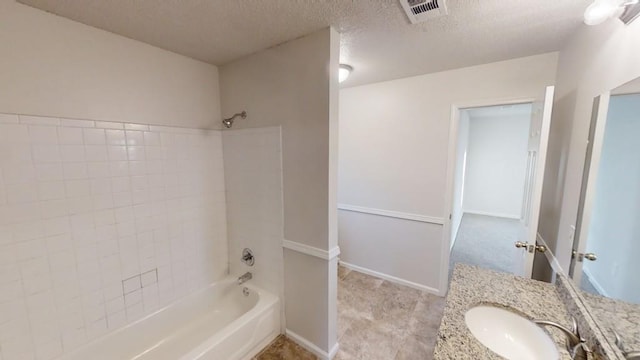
[
  {"x": 613, "y": 314},
  {"x": 471, "y": 286}
]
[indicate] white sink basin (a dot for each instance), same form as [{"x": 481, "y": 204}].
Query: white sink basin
[{"x": 509, "y": 334}]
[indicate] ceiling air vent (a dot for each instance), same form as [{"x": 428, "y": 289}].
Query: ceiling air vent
[{"x": 422, "y": 10}]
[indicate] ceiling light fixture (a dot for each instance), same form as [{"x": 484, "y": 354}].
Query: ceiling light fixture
[
  {"x": 602, "y": 10},
  {"x": 344, "y": 72}
]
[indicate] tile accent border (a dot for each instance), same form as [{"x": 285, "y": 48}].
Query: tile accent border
[
  {"x": 392, "y": 214},
  {"x": 9, "y": 118}
]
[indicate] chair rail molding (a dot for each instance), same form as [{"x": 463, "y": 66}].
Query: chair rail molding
[{"x": 392, "y": 214}]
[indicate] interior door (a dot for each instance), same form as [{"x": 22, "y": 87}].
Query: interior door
[
  {"x": 537, "y": 154},
  {"x": 589, "y": 181}
]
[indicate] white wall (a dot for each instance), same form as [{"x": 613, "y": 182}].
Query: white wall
[
  {"x": 614, "y": 228},
  {"x": 294, "y": 85},
  {"x": 595, "y": 60},
  {"x": 394, "y": 142},
  {"x": 459, "y": 175},
  {"x": 85, "y": 205},
  {"x": 102, "y": 223},
  {"x": 53, "y": 66},
  {"x": 496, "y": 165},
  {"x": 253, "y": 178}
]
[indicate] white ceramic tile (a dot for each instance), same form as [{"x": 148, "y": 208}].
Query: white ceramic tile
[
  {"x": 115, "y": 305},
  {"x": 115, "y": 137},
  {"x": 18, "y": 174},
  {"x": 101, "y": 186},
  {"x": 39, "y": 120},
  {"x": 77, "y": 250},
  {"x": 45, "y": 153},
  {"x": 96, "y": 153},
  {"x": 120, "y": 184},
  {"x": 122, "y": 199},
  {"x": 70, "y": 136},
  {"x": 77, "y": 123},
  {"x": 72, "y": 153},
  {"x": 78, "y": 188},
  {"x": 134, "y": 138},
  {"x": 8, "y": 119},
  {"x": 130, "y": 126},
  {"x": 136, "y": 153},
  {"x": 52, "y": 208},
  {"x": 102, "y": 202},
  {"x": 119, "y": 168},
  {"x": 74, "y": 171},
  {"x": 79, "y": 205},
  {"x": 43, "y": 134},
  {"x": 109, "y": 125},
  {"x": 51, "y": 190},
  {"x": 149, "y": 278},
  {"x": 116, "y": 320},
  {"x": 117, "y": 153},
  {"x": 21, "y": 193},
  {"x": 130, "y": 285},
  {"x": 46, "y": 172},
  {"x": 151, "y": 138},
  {"x": 28, "y": 230},
  {"x": 35, "y": 275},
  {"x": 94, "y": 136},
  {"x": 99, "y": 169}
]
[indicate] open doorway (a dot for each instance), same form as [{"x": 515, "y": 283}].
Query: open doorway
[{"x": 489, "y": 198}]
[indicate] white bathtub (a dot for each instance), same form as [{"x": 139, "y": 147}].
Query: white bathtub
[{"x": 216, "y": 323}]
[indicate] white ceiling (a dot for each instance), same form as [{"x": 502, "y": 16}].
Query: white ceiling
[{"x": 376, "y": 37}]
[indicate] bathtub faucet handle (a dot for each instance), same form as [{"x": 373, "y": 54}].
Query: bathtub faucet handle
[{"x": 247, "y": 257}]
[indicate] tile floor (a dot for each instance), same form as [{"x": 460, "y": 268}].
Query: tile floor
[{"x": 377, "y": 320}]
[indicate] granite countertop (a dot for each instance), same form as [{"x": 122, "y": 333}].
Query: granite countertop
[
  {"x": 623, "y": 317},
  {"x": 471, "y": 286}
]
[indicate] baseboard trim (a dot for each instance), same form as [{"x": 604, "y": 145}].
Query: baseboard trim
[
  {"x": 311, "y": 250},
  {"x": 313, "y": 348},
  {"x": 486, "y": 213},
  {"x": 391, "y": 278},
  {"x": 594, "y": 282},
  {"x": 392, "y": 214}
]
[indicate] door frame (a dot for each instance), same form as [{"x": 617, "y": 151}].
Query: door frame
[
  {"x": 454, "y": 125},
  {"x": 593, "y": 153}
]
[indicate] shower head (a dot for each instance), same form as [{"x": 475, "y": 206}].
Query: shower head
[{"x": 229, "y": 122}]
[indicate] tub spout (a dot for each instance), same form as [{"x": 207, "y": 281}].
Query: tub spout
[{"x": 244, "y": 278}]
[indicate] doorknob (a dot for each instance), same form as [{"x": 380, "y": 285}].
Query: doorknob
[
  {"x": 580, "y": 256},
  {"x": 520, "y": 244},
  {"x": 541, "y": 248},
  {"x": 525, "y": 245}
]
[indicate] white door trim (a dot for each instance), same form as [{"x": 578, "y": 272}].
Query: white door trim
[{"x": 454, "y": 124}]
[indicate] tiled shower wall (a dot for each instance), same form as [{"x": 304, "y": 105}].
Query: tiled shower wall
[
  {"x": 102, "y": 223},
  {"x": 253, "y": 178}
]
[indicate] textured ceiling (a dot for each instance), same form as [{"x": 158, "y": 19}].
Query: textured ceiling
[{"x": 376, "y": 37}]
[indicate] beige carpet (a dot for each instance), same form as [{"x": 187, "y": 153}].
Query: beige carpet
[{"x": 488, "y": 242}]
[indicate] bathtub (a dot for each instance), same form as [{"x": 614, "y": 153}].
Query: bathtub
[{"x": 219, "y": 322}]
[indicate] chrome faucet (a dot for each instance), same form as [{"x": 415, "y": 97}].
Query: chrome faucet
[
  {"x": 629, "y": 355},
  {"x": 576, "y": 344},
  {"x": 244, "y": 278}
]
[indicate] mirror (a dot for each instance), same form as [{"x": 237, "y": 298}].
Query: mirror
[{"x": 606, "y": 253}]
